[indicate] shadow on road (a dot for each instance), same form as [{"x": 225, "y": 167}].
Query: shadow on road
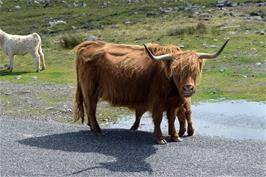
[{"x": 130, "y": 149}]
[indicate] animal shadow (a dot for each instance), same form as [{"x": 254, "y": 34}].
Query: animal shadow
[
  {"x": 5, "y": 72},
  {"x": 130, "y": 149}
]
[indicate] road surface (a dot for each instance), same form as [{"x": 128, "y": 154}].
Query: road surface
[{"x": 35, "y": 148}]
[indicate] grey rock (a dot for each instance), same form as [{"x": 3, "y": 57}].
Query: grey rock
[
  {"x": 205, "y": 16},
  {"x": 91, "y": 38},
  {"x": 128, "y": 22},
  {"x": 34, "y": 78},
  {"x": 220, "y": 3},
  {"x": 56, "y": 22},
  {"x": 261, "y": 4},
  {"x": 257, "y": 13},
  {"x": 104, "y": 5},
  {"x": 17, "y": 7},
  {"x": 225, "y": 3},
  {"x": 18, "y": 77},
  {"x": 44, "y": 3},
  {"x": 166, "y": 10},
  {"x": 222, "y": 70},
  {"x": 257, "y": 18},
  {"x": 260, "y": 32},
  {"x": 114, "y": 26},
  {"x": 80, "y": 4}
]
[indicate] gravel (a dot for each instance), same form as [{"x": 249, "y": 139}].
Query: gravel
[{"x": 37, "y": 148}]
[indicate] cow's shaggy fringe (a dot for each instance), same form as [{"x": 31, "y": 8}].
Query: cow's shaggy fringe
[{"x": 20, "y": 45}]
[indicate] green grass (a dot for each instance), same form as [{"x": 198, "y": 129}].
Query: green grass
[{"x": 234, "y": 75}]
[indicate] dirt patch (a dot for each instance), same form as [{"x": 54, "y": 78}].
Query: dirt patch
[{"x": 49, "y": 102}]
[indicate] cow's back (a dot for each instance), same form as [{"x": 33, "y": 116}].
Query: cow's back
[{"x": 122, "y": 75}]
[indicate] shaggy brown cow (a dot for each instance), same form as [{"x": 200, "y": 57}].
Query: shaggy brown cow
[{"x": 126, "y": 75}]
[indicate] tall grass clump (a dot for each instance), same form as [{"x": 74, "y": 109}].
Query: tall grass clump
[
  {"x": 200, "y": 28},
  {"x": 70, "y": 41}
]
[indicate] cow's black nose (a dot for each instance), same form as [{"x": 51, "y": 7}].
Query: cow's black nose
[{"x": 188, "y": 87}]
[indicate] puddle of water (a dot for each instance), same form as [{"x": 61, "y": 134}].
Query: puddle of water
[{"x": 228, "y": 119}]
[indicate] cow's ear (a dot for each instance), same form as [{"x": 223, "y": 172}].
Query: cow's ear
[
  {"x": 167, "y": 68},
  {"x": 201, "y": 63}
]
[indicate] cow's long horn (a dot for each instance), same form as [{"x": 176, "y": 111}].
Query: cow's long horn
[
  {"x": 157, "y": 58},
  {"x": 210, "y": 56}
]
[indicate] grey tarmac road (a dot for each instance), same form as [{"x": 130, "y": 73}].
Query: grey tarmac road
[{"x": 35, "y": 148}]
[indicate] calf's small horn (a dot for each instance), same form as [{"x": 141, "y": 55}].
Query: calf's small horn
[
  {"x": 210, "y": 56},
  {"x": 157, "y": 58}
]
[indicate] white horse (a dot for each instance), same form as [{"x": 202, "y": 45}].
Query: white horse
[{"x": 20, "y": 45}]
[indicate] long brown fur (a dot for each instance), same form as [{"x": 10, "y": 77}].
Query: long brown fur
[{"x": 124, "y": 75}]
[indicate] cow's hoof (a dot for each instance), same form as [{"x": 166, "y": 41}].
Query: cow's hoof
[
  {"x": 133, "y": 128},
  {"x": 161, "y": 142},
  {"x": 176, "y": 139},
  {"x": 191, "y": 131},
  {"x": 181, "y": 133}
]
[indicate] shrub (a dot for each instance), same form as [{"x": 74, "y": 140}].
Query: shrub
[
  {"x": 70, "y": 41},
  {"x": 201, "y": 28}
]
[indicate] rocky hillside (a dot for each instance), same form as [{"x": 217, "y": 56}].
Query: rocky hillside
[{"x": 55, "y": 16}]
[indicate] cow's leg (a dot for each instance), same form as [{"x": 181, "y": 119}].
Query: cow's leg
[
  {"x": 11, "y": 62},
  {"x": 91, "y": 113},
  {"x": 42, "y": 58},
  {"x": 157, "y": 119},
  {"x": 138, "y": 113},
  {"x": 181, "y": 115},
  {"x": 190, "y": 129},
  {"x": 171, "y": 115},
  {"x": 188, "y": 116},
  {"x": 36, "y": 58},
  {"x": 92, "y": 122}
]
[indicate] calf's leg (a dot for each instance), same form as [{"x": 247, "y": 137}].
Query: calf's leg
[
  {"x": 11, "y": 62},
  {"x": 36, "y": 57},
  {"x": 42, "y": 58}
]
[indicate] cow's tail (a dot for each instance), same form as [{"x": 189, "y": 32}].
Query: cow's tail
[{"x": 79, "y": 108}]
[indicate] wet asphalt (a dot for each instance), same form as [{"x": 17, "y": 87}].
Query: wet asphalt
[{"x": 35, "y": 148}]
